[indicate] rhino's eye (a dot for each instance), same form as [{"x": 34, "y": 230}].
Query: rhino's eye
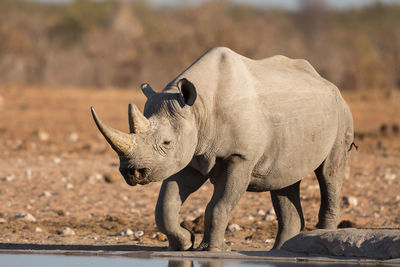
[{"x": 166, "y": 143}]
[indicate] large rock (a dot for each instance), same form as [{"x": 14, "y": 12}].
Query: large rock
[{"x": 349, "y": 242}]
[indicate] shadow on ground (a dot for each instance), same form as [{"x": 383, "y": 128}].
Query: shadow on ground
[{"x": 18, "y": 246}]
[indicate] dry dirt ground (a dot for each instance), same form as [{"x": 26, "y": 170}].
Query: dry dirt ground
[{"x": 55, "y": 166}]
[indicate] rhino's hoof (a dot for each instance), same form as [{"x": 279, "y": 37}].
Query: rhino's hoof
[{"x": 206, "y": 247}]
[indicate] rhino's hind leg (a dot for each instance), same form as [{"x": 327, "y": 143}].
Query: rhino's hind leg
[
  {"x": 174, "y": 191},
  {"x": 330, "y": 177},
  {"x": 288, "y": 210}
]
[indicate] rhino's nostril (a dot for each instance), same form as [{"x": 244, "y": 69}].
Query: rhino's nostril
[{"x": 138, "y": 173}]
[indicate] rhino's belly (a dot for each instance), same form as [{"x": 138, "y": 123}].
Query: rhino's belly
[
  {"x": 262, "y": 184},
  {"x": 288, "y": 165}
]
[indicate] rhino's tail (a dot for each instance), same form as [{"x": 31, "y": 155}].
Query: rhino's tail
[{"x": 351, "y": 146}]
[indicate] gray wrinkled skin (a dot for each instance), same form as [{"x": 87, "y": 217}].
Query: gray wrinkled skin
[{"x": 247, "y": 125}]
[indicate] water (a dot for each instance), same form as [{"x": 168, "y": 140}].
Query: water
[
  {"x": 41, "y": 260},
  {"x": 85, "y": 261}
]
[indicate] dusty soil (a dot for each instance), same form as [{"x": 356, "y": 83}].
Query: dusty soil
[{"x": 55, "y": 166}]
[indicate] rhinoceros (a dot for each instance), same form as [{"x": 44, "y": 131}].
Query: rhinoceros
[{"x": 246, "y": 125}]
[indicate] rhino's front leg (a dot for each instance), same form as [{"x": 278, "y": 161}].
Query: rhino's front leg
[
  {"x": 229, "y": 186},
  {"x": 173, "y": 193}
]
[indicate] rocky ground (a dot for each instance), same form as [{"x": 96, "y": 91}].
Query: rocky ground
[{"x": 59, "y": 180}]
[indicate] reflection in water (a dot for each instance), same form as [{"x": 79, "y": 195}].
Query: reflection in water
[
  {"x": 215, "y": 263},
  {"x": 180, "y": 263}
]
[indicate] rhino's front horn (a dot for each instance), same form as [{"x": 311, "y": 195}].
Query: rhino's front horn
[
  {"x": 121, "y": 142},
  {"x": 138, "y": 123}
]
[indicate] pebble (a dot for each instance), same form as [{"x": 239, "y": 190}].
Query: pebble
[
  {"x": 28, "y": 173},
  {"x": 234, "y": 227},
  {"x": 8, "y": 178},
  {"x": 350, "y": 201},
  {"x": 389, "y": 175},
  {"x": 57, "y": 160},
  {"x": 72, "y": 137},
  {"x": 127, "y": 232},
  {"x": 313, "y": 187},
  {"x": 139, "y": 234},
  {"x": 43, "y": 136},
  {"x": 111, "y": 177},
  {"x": 135, "y": 211},
  {"x": 38, "y": 230},
  {"x": 2, "y": 220},
  {"x": 69, "y": 186},
  {"x": 197, "y": 210},
  {"x": 93, "y": 178},
  {"x": 26, "y": 216},
  {"x": 269, "y": 218},
  {"x": 68, "y": 231},
  {"x": 160, "y": 237},
  {"x": 261, "y": 212},
  {"x": 45, "y": 194},
  {"x": 251, "y": 218},
  {"x": 269, "y": 240},
  {"x": 271, "y": 211}
]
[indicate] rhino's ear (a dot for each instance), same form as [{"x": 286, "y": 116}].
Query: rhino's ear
[
  {"x": 147, "y": 90},
  {"x": 187, "y": 91}
]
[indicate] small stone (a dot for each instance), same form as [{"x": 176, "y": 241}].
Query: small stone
[
  {"x": 271, "y": 211},
  {"x": 269, "y": 240},
  {"x": 269, "y": 218},
  {"x": 261, "y": 212},
  {"x": 389, "y": 175},
  {"x": 234, "y": 227},
  {"x": 93, "y": 178},
  {"x": 59, "y": 212},
  {"x": 350, "y": 201},
  {"x": 69, "y": 186},
  {"x": 313, "y": 187},
  {"x": 121, "y": 233},
  {"x": 251, "y": 218},
  {"x": 8, "y": 178},
  {"x": 110, "y": 177},
  {"x": 45, "y": 194},
  {"x": 43, "y": 136},
  {"x": 139, "y": 234},
  {"x": 72, "y": 137},
  {"x": 127, "y": 232},
  {"x": 28, "y": 173},
  {"x": 26, "y": 216},
  {"x": 56, "y": 160},
  {"x": 67, "y": 232},
  {"x": 2, "y": 220},
  {"x": 135, "y": 211},
  {"x": 38, "y": 230},
  {"x": 197, "y": 210},
  {"x": 160, "y": 237}
]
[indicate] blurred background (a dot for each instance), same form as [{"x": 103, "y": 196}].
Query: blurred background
[{"x": 121, "y": 43}]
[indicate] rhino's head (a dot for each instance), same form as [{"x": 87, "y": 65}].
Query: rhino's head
[{"x": 162, "y": 141}]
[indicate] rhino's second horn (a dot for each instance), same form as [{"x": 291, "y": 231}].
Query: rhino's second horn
[
  {"x": 138, "y": 123},
  {"x": 121, "y": 142}
]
